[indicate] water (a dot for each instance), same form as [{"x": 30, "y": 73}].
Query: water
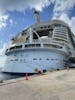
[{"x": 5, "y": 76}]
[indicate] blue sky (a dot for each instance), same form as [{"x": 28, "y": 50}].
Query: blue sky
[{"x": 15, "y": 15}]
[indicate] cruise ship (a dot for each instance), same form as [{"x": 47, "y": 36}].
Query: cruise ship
[{"x": 44, "y": 46}]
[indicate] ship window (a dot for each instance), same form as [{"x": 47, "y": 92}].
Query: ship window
[
  {"x": 6, "y": 50},
  {"x": 40, "y": 59},
  {"x": 26, "y": 45},
  {"x": 14, "y": 54},
  {"x": 47, "y": 59},
  {"x": 12, "y": 48},
  {"x": 49, "y": 26},
  {"x": 63, "y": 26},
  {"x": 19, "y": 47},
  {"x": 16, "y": 59},
  {"x": 11, "y": 60},
  {"x": 41, "y": 27},
  {"x": 33, "y": 45},
  {"x": 16, "y": 47},
  {"x": 23, "y": 32},
  {"x": 34, "y": 58},
  {"x": 57, "y": 25},
  {"x": 51, "y": 59},
  {"x": 60, "y": 47},
  {"x": 37, "y": 45},
  {"x": 34, "y": 29},
  {"x": 50, "y": 33}
]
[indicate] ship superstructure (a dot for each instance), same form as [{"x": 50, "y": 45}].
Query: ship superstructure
[{"x": 43, "y": 46}]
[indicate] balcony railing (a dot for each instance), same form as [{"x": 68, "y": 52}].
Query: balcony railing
[{"x": 37, "y": 44}]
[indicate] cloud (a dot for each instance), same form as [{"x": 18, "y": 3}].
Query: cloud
[
  {"x": 60, "y": 6},
  {"x": 21, "y": 5},
  {"x": 63, "y": 6},
  {"x": 3, "y": 48},
  {"x": 65, "y": 18},
  {"x": 62, "y": 9},
  {"x": 69, "y": 21},
  {"x": 3, "y": 19},
  {"x": 72, "y": 24}
]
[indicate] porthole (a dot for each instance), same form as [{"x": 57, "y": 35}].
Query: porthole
[
  {"x": 11, "y": 60},
  {"x": 40, "y": 59},
  {"x": 51, "y": 59},
  {"x": 47, "y": 59},
  {"x": 16, "y": 59},
  {"x": 34, "y": 58},
  {"x": 41, "y": 27}
]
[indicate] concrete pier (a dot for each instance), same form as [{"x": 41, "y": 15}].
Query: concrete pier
[{"x": 57, "y": 85}]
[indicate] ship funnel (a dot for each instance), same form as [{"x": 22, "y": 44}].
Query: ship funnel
[{"x": 37, "y": 16}]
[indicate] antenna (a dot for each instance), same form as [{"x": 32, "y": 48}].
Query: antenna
[{"x": 37, "y": 16}]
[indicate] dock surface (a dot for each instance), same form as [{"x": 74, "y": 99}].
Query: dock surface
[{"x": 57, "y": 85}]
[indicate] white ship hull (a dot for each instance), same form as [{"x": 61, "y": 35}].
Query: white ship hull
[
  {"x": 27, "y": 61},
  {"x": 42, "y": 46}
]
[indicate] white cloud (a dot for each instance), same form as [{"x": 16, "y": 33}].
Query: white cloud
[
  {"x": 69, "y": 21},
  {"x": 63, "y": 6},
  {"x": 62, "y": 10},
  {"x": 65, "y": 18},
  {"x": 21, "y": 5},
  {"x": 72, "y": 24},
  {"x": 3, "y": 19},
  {"x": 3, "y": 48},
  {"x": 11, "y": 22}
]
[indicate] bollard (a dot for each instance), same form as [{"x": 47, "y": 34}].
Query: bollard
[
  {"x": 26, "y": 76},
  {"x": 1, "y": 81}
]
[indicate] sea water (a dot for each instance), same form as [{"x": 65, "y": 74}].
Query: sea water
[{"x": 5, "y": 76}]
